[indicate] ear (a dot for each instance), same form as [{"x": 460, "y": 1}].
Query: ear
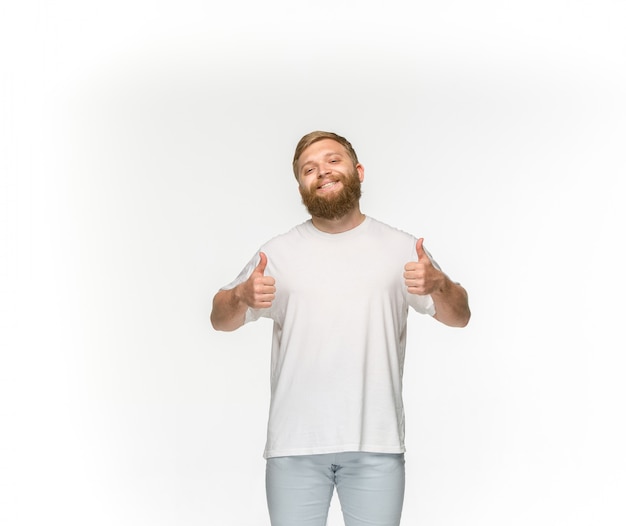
[{"x": 361, "y": 171}]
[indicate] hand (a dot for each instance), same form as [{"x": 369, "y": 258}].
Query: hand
[
  {"x": 258, "y": 291},
  {"x": 421, "y": 277}
]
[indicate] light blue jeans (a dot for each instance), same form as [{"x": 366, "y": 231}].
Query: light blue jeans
[{"x": 370, "y": 487}]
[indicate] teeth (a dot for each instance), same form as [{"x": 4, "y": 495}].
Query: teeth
[{"x": 327, "y": 184}]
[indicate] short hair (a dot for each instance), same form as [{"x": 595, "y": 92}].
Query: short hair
[{"x": 316, "y": 136}]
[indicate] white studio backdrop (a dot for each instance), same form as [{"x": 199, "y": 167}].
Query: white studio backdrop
[{"x": 146, "y": 153}]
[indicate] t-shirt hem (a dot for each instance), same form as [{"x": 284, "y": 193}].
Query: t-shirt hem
[{"x": 364, "y": 448}]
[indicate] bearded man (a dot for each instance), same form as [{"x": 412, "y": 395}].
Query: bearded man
[{"x": 338, "y": 288}]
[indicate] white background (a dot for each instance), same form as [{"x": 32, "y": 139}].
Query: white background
[{"x": 145, "y": 155}]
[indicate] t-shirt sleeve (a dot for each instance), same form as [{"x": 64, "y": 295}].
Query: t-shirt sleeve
[
  {"x": 244, "y": 274},
  {"x": 422, "y": 304}
]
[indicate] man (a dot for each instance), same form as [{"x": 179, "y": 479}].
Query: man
[{"x": 338, "y": 288}]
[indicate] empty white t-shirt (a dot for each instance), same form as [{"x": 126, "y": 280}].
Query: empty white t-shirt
[{"x": 340, "y": 318}]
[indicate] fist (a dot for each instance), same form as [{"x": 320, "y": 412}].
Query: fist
[
  {"x": 258, "y": 291},
  {"x": 421, "y": 277}
]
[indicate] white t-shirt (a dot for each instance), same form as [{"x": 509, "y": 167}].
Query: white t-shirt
[{"x": 339, "y": 338}]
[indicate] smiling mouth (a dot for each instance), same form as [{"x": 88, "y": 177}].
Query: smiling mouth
[{"x": 327, "y": 185}]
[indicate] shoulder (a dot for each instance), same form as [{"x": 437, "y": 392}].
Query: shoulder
[{"x": 389, "y": 232}]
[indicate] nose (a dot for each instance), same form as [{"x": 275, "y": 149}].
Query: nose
[{"x": 324, "y": 169}]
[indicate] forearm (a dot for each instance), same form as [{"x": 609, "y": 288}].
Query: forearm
[
  {"x": 228, "y": 311},
  {"x": 451, "y": 304}
]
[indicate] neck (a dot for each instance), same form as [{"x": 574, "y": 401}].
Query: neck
[{"x": 342, "y": 224}]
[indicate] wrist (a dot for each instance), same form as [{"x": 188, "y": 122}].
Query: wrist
[
  {"x": 237, "y": 296},
  {"x": 442, "y": 286}
]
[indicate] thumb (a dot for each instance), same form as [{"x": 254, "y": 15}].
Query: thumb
[
  {"x": 421, "y": 253},
  {"x": 262, "y": 264}
]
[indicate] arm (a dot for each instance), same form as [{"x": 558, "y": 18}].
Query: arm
[
  {"x": 451, "y": 305},
  {"x": 228, "y": 311},
  {"x": 421, "y": 277},
  {"x": 230, "y": 306}
]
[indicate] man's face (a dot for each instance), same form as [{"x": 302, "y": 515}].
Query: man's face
[{"x": 330, "y": 184}]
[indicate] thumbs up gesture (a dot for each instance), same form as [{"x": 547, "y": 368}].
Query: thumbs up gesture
[
  {"x": 421, "y": 277},
  {"x": 258, "y": 291}
]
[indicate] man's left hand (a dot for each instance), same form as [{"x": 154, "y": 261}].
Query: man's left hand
[{"x": 420, "y": 276}]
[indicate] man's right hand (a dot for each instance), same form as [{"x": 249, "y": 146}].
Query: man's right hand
[
  {"x": 229, "y": 306},
  {"x": 258, "y": 291}
]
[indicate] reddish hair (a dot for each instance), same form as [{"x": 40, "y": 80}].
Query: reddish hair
[{"x": 316, "y": 136}]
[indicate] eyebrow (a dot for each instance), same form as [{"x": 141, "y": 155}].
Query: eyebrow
[{"x": 326, "y": 156}]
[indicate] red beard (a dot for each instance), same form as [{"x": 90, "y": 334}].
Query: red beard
[{"x": 336, "y": 205}]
